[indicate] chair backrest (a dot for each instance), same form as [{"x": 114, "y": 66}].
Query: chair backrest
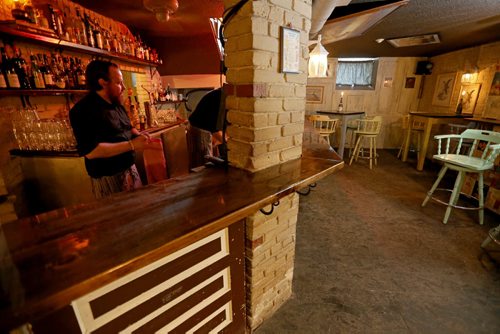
[
  {"x": 323, "y": 123},
  {"x": 370, "y": 126},
  {"x": 485, "y": 144}
]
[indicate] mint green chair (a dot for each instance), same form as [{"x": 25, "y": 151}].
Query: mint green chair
[{"x": 479, "y": 158}]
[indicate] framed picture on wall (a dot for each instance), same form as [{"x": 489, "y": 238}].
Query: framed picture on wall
[
  {"x": 469, "y": 94},
  {"x": 290, "y": 50},
  {"x": 314, "y": 94},
  {"x": 410, "y": 82},
  {"x": 443, "y": 89},
  {"x": 492, "y": 109}
]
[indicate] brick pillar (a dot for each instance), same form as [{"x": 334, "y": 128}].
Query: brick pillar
[
  {"x": 270, "y": 254},
  {"x": 266, "y": 110}
]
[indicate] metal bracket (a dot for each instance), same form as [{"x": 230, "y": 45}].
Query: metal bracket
[
  {"x": 267, "y": 213},
  {"x": 312, "y": 185}
]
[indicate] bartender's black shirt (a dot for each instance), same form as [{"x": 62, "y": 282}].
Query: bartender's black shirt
[{"x": 96, "y": 121}]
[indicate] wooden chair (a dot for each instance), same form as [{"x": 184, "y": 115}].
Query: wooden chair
[
  {"x": 417, "y": 129},
  {"x": 481, "y": 157},
  {"x": 367, "y": 129},
  {"x": 325, "y": 125}
]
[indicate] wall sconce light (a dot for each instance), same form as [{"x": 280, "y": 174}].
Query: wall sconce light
[
  {"x": 318, "y": 61},
  {"x": 470, "y": 73},
  {"x": 161, "y": 8},
  {"x": 469, "y": 77}
]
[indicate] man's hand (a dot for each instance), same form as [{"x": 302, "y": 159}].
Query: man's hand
[{"x": 140, "y": 141}]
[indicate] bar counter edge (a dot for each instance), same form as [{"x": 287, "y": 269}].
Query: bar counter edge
[{"x": 54, "y": 258}]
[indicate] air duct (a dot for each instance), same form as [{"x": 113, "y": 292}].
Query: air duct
[{"x": 321, "y": 11}]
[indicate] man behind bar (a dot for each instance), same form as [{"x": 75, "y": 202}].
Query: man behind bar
[{"x": 103, "y": 132}]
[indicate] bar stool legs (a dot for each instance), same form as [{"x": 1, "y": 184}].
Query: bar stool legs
[
  {"x": 493, "y": 235},
  {"x": 372, "y": 151},
  {"x": 455, "y": 194}
]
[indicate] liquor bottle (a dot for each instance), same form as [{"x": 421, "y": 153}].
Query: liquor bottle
[
  {"x": 107, "y": 40},
  {"x": 458, "y": 111},
  {"x": 69, "y": 31},
  {"x": 89, "y": 30},
  {"x": 60, "y": 24},
  {"x": 10, "y": 72},
  {"x": 142, "y": 115},
  {"x": 52, "y": 19},
  {"x": 21, "y": 69},
  {"x": 3, "y": 80},
  {"x": 48, "y": 75},
  {"x": 30, "y": 12},
  {"x": 81, "y": 31},
  {"x": 115, "y": 44},
  {"x": 132, "y": 46},
  {"x": 139, "y": 50},
  {"x": 80, "y": 75},
  {"x": 98, "y": 38},
  {"x": 68, "y": 75},
  {"x": 36, "y": 73},
  {"x": 168, "y": 93}
]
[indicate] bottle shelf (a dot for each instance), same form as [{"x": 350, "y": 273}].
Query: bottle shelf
[
  {"x": 159, "y": 103},
  {"x": 41, "y": 92},
  {"x": 60, "y": 43}
]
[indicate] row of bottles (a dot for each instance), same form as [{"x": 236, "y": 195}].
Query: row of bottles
[
  {"x": 40, "y": 71},
  {"x": 137, "y": 115},
  {"x": 159, "y": 95},
  {"x": 76, "y": 24}
]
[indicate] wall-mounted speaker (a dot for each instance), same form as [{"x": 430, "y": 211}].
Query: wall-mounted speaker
[{"x": 424, "y": 67}]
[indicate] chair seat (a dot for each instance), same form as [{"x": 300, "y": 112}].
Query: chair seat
[{"x": 472, "y": 163}]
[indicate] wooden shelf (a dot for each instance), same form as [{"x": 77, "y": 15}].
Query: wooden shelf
[
  {"x": 59, "y": 43},
  {"x": 170, "y": 102},
  {"x": 45, "y": 153},
  {"x": 41, "y": 92}
]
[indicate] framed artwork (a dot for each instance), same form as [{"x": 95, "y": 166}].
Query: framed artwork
[
  {"x": 290, "y": 50},
  {"x": 410, "y": 82},
  {"x": 388, "y": 82},
  {"x": 469, "y": 94},
  {"x": 443, "y": 89},
  {"x": 314, "y": 94},
  {"x": 492, "y": 109}
]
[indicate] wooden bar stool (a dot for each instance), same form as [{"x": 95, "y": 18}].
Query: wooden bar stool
[
  {"x": 481, "y": 157},
  {"x": 367, "y": 129},
  {"x": 325, "y": 125},
  {"x": 417, "y": 129}
]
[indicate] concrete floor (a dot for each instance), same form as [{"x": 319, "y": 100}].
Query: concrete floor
[{"x": 369, "y": 259}]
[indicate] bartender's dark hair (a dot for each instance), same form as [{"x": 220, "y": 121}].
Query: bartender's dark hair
[{"x": 97, "y": 69}]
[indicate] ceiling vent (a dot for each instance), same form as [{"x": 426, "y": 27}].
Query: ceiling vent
[{"x": 414, "y": 40}]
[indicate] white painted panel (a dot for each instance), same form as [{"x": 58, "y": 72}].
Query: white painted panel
[{"x": 82, "y": 308}]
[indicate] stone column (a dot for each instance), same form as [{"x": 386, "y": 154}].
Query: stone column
[{"x": 266, "y": 109}]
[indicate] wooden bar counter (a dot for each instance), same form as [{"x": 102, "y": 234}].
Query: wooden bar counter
[{"x": 52, "y": 259}]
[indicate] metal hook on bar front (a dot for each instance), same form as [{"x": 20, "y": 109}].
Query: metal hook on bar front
[
  {"x": 309, "y": 187},
  {"x": 267, "y": 213}
]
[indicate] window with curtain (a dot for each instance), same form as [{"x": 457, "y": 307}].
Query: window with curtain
[{"x": 356, "y": 74}]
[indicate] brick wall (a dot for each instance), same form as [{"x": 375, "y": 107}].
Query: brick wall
[
  {"x": 266, "y": 110},
  {"x": 270, "y": 253}
]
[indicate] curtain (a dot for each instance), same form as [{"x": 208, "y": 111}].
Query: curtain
[{"x": 354, "y": 73}]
